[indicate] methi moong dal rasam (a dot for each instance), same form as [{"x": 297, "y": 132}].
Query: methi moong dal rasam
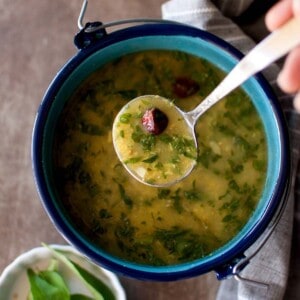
[{"x": 159, "y": 226}]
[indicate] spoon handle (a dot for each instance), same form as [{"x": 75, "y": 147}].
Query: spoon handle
[{"x": 274, "y": 46}]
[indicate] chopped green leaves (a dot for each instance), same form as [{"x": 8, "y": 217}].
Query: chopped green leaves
[
  {"x": 207, "y": 156},
  {"x": 163, "y": 193},
  {"x": 127, "y": 200},
  {"x": 90, "y": 129},
  {"x": 147, "y": 141},
  {"x": 133, "y": 160},
  {"x": 181, "y": 145},
  {"x": 128, "y": 94},
  {"x": 182, "y": 242},
  {"x": 151, "y": 159},
  {"x": 259, "y": 165},
  {"x": 125, "y": 118}
]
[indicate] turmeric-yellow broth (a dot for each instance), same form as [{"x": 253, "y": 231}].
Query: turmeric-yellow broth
[{"x": 159, "y": 226}]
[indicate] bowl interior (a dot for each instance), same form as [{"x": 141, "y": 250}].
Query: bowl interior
[{"x": 202, "y": 46}]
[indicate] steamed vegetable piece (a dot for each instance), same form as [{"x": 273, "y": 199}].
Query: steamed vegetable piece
[{"x": 49, "y": 284}]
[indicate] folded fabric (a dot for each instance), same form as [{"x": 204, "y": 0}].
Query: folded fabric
[{"x": 271, "y": 264}]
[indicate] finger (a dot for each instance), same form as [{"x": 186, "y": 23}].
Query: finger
[
  {"x": 289, "y": 77},
  {"x": 279, "y": 14}
]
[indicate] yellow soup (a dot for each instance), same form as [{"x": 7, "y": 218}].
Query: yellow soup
[{"x": 159, "y": 226}]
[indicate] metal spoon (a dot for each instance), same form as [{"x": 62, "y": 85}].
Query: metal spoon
[{"x": 276, "y": 45}]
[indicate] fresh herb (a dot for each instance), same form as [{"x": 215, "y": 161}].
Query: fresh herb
[
  {"x": 83, "y": 148},
  {"x": 179, "y": 55},
  {"x": 151, "y": 159},
  {"x": 106, "y": 293},
  {"x": 90, "y": 98},
  {"x": 230, "y": 117},
  {"x": 71, "y": 172},
  {"x": 229, "y": 218},
  {"x": 124, "y": 230},
  {"x": 84, "y": 177},
  {"x": 93, "y": 190},
  {"x": 193, "y": 193},
  {"x": 259, "y": 165},
  {"x": 165, "y": 138},
  {"x": 104, "y": 214},
  {"x": 125, "y": 118},
  {"x": 105, "y": 86},
  {"x": 234, "y": 100},
  {"x": 133, "y": 160},
  {"x": 86, "y": 180},
  {"x": 90, "y": 129},
  {"x": 141, "y": 250},
  {"x": 147, "y": 141},
  {"x": 177, "y": 201},
  {"x": 184, "y": 146},
  {"x": 224, "y": 129},
  {"x": 146, "y": 252},
  {"x": 128, "y": 94},
  {"x": 180, "y": 144},
  {"x": 240, "y": 141},
  {"x": 49, "y": 284},
  {"x": 235, "y": 167},
  {"x": 244, "y": 189},
  {"x": 181, "y": 242},
  {"x": 147, "y": 63},
  {"x": 163, "y": 193},
  {"x": 97, "y": 228},
  {"x": 127, "y": 200},
  {"x": 231, "y": 206},
  {"x": 207, "y": 156}
]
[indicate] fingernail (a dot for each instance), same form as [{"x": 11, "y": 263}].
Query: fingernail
[
  {"x": 280, "y": 80},
  {"x": 297, "y": 102}
]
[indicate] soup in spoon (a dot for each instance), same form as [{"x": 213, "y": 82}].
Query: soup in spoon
[{"x": 153, "y": 141}]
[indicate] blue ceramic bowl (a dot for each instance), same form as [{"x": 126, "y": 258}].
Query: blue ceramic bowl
[{"x": 101, "y": 48}]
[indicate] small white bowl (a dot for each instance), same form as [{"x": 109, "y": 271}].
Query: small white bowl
[{"x": 14, "y": 283}]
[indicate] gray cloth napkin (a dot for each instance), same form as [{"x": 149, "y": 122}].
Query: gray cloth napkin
[{"x": 271, "y": 264}]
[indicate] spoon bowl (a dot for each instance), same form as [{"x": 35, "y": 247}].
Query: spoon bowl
[{"x": 155, "y": 158}]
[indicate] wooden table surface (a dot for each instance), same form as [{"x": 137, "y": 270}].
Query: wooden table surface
[{"x": 36, "y": 39}]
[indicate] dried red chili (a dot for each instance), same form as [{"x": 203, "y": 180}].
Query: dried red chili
[
  {"x": 184, "y": 87},
  {"x": 155, "y": 121}
]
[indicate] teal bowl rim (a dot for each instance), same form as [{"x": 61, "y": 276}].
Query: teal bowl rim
[{"x": 171, "y": 37}]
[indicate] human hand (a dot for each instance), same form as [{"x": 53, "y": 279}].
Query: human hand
[{"x": 289, "y": 77}]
